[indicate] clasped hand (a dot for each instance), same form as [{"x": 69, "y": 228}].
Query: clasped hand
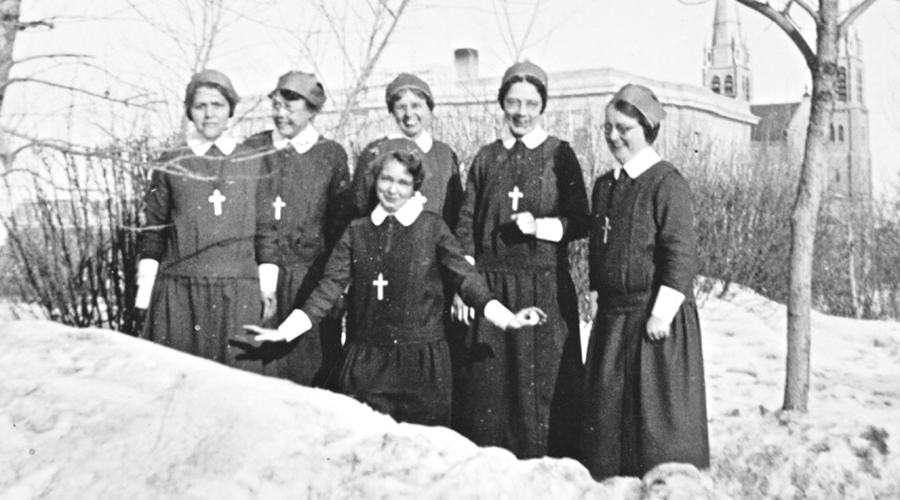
[{"x": 526, "y": 222}]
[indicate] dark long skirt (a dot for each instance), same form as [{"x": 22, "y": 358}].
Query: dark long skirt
[
  {"x": 197, "y": 315},
  {"x": 520, "y": 390},
  {"x": 410, "y": 382},
  {"x": 311, "y": 359},
  {"x": 645, "y": 402}
]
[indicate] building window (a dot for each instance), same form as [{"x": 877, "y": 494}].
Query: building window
[
  {"x": 729, "y": 85},
  {"x": 859, "y": 85},
  {"x": 840, "y": 133},
  {"x": 747, "y": 87},
  {"x": 716, "y": 85},
  {"x": 831, "y": 133},
  {"x": 842, "y": 84}
]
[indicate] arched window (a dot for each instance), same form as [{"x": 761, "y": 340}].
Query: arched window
[
  {"x": 842, "y": 84},
  {"x": 716, "y": 85},
  {"x": 747, "y": 87},
  {"x": 729, "y": 85},
  {"x": 831, "y": 134},
  {"x": 859, "y": 85},
  {"x": 840, "y": 133}
]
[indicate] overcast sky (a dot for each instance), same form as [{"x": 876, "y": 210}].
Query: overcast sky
[{"x": 661, "y": 39}]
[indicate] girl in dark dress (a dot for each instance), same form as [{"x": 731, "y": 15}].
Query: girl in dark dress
[
  {"x": 397, "y": 359},
  {"x": 306, "y": 198},
  {"x": 645, "y": 400},
  {"x": 525, "y": 201},
  {"x": 202, "y": 234}
]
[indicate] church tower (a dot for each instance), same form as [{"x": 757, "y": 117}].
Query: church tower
[
  {"x": 848, "y": 135},
  {"x": 726, "y": 70}
]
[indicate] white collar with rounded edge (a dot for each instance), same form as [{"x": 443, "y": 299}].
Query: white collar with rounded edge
[
  {"x": 423, "y": 140},
  {"x": 639, "y": 164},
  {"x": 532, "y": 139},
  {"x": 200, "y": 145},
  {"x": 406, "y": 215},
  {"x": 302, "y": 142}
]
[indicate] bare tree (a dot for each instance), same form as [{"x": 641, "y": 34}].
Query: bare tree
[
  {"x": 822, "y": 63},
  {"x": 507, "y": 27}
]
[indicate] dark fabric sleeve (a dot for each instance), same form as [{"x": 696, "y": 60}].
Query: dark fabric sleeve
[
  {"x": 676, "y": 239},
  {"x": 363, "y": 182},
  {"x": 334, "y": 280},
  {"x": 455, "y": 194},
  {"x": 340, "y": 210},
  {"x": 470, "y": 285},
  {"x": 465, "y": 226},
  {"x": 266, "y": 240},
  {"x": 594, "y": 239},
  {"x": 574, "y": 212},
  {"x": 152, "y": 237}
]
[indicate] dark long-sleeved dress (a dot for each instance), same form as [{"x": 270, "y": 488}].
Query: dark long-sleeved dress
[
  {"x": 310, "y": 195},
  {"x": 442, "y": 186},
  {"x": 397, "y": 359},
  {"x": 645, "y": 401},
  {"x": 207, "y": 285},
  {"x": 520, "y": 390}
]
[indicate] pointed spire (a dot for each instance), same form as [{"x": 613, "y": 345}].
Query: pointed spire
[{"x": 727, "y": 24}]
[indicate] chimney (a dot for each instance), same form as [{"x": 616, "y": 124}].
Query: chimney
[{"x": 466, "y": 64}]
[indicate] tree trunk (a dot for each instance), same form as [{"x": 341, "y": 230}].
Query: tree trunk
[
  {"x": 806, "y": 209},
  {"x": 9, "y": 27}
]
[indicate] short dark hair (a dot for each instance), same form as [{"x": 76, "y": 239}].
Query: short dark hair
[
  {"x": 229, "y": 97},
  {"x": 628, "y": 109},
  {"x": 291, "y": 96},
  {"x": 412, "y": 162},
  {"x": 542, "y": 90},
  {"x": 397, "y": 95}
]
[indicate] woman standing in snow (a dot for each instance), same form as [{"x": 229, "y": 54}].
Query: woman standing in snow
[{"x": 645, "y": 401}]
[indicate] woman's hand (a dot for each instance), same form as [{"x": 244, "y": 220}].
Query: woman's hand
[
  {"x": 270, "y": 305},
  {"x": 459, "y": 311},
  {"x": 526, "y": 222},
  {"x": 657, "y": 329},
  {"x": 530, "y": 316},
  {"x": 260, "y": 334}
]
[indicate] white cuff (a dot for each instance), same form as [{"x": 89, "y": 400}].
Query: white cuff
[
  {"x": 295, "y": 325},
  {"x": 268, "y": 277},
  {"x": 146, "y": 277},
  {"x": 549, "y": 229},
  {"x": 470, "y": 259},
  {"x": 498, "y": 314},
  {"x": 668, "y": 301}
]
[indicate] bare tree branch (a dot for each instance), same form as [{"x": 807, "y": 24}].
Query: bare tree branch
[
  {"x": 787, "y": 24},
  {"x": 854, "y": 13},
  {"x": 128, "y": 101}
]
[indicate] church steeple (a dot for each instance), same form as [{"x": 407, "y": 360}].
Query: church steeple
[{"x": 726, "y": 69}]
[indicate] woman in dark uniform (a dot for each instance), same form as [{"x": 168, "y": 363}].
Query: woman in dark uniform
[
  {"x": 525, "y": 201},
  {"x": 306, "y": 197},
  {"x": 201, "y": 224},
  {"x": 397, "y": 359},
  {"x": 645, "y": 401}
]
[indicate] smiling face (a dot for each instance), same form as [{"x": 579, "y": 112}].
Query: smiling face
[
  {"x": 209, "y": 112},
  {"x": 290, "y": 117},
  {"x": 624, "y": 135},
  {"x": 412, "y": 114},
  {"x": 394, "y": 185},
  {"x": 522, "y": 108}
]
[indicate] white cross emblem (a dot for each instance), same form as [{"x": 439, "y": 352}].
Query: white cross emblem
[
  {"x": 216, "y": 199},
  {"x": 380, "y": 283},
  {"x": 278, "y": 204},
  {"x": 515, "y": 194},
  {"x": 606, "y": 227}
]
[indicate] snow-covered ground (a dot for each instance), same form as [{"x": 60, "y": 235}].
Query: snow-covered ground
[{"x": 91, "y": 414}]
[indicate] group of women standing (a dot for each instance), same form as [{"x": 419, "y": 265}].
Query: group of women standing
[{"x": 461, "y": 310}]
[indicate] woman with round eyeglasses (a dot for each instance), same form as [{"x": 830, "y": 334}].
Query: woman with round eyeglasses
[
  {"x": 645, "y": 400},
  {"x": 525, "y": 201},
  {"x": 198, "y": 276}
]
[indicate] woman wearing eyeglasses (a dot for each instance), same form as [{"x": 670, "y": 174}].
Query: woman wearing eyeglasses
[
  {"x": 645, "y": 400},
  {"x": 525, "y": 201}
]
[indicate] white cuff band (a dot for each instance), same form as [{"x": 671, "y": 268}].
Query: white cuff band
[
  {"x": 668, "y": 301},
  {"x": 498, "y": 314},
  {"x": 549, "y": 229},
  {"x": 295, "y": 325},
  {"x": 268, "y": 277}
]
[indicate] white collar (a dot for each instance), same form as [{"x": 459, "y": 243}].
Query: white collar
[
  {"x": 200, "y": 145},
  {"x": 406, "y": 215},
  {"x": 302, "y": 142},
  {"x": 639, "y": 164},
  {"x": 423, "y": 140},
  {"x": 532, "y": 139}
]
